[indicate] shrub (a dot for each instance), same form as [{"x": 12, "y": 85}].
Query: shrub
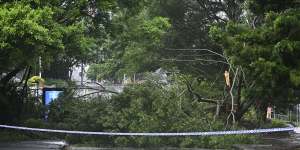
[{"x": 148, "y": 107}]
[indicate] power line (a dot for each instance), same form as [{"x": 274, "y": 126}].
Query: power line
[
  {"x": 186, "y": 49},
  {"x": 196, "y": 55},
  {"x": 201, "y": 49},
  {"x": 194, "y": 60}
]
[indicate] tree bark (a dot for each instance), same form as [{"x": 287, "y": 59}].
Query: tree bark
[
  {"x": 24, "y": 89},
  {"x": 199, "y": 98},
  {"x": 244, "y": 108}
]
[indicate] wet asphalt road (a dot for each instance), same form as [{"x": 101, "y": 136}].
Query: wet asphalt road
[
  {"x": 34, "y": 145},
  {"x": 270, "y": 143}
]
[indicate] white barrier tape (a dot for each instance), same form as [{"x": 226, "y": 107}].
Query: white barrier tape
[{"x": 155, "y": 134}]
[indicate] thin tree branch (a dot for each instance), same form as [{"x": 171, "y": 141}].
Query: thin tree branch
[{"x": 232, "y": 113}]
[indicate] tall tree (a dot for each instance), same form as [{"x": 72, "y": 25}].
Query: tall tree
[
  {"x": 268, "y": 55},
  {"x": 134, "y": 44},
  {"x": 26, "y": 33},
  {"x": 185, "y": 46},
  {"x": 190, "y": 22},
  {"x": 53, "y": 30}
]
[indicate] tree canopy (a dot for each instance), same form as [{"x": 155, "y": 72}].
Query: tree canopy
[
  {"x": 51, "y": 31},
  {"x": 268, "y": 53},
  {"x": 255, "y": 42}
]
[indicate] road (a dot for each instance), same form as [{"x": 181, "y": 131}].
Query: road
[
  {"x": 291, "y": 142},
  {"x": 34, "y": 145}
]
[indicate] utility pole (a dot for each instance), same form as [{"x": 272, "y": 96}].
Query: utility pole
[
  {"x": 81, "y": 74},
  {"x": 40, "y": 67},
  {"x": 38, "y": 83},
  {"x": 297, "y": 114},
  {"x": 274, "y": 112}
]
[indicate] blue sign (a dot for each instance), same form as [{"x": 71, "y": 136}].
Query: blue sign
[{"x": 51, "y": 94}]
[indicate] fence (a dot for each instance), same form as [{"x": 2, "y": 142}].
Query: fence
[{"x": 291, "y": 115}]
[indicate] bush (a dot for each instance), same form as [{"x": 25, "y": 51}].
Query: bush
[
  {"x": 35, "y": 123},
  {"x": 148, "y": 107},
  {"x": 10, "y": 136}
]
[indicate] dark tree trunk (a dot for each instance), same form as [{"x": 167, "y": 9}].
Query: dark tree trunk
[
  {"x": 244, "y": 107},
  {"x": 27, "y": 76},
  {"x": 11, "y": 98}
]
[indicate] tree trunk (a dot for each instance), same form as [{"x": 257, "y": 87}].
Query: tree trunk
[
  {"x": 238, "y": 100},
  {"x": 24, "y": 89},
  {"x": 218, "y": 107},
  {"x": 244, "y": 107}
]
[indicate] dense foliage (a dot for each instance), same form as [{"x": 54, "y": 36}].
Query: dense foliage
[
  {"x": 193, "y": 41},
  {"x": 268, "y": 54},
  {"x": 149, "y": 107},
  {"x": 61, "y": 32}
]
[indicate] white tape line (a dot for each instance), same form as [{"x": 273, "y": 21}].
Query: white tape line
[{"x": 155, "y": 134}]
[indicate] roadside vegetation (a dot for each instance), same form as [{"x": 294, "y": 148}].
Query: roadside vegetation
[{"x": 253, "y": 44}]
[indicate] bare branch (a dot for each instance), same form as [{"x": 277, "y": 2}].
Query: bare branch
[{"x": 232, "y": 113}]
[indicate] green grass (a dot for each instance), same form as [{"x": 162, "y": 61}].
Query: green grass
[{"x": 11, "y": 136}]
